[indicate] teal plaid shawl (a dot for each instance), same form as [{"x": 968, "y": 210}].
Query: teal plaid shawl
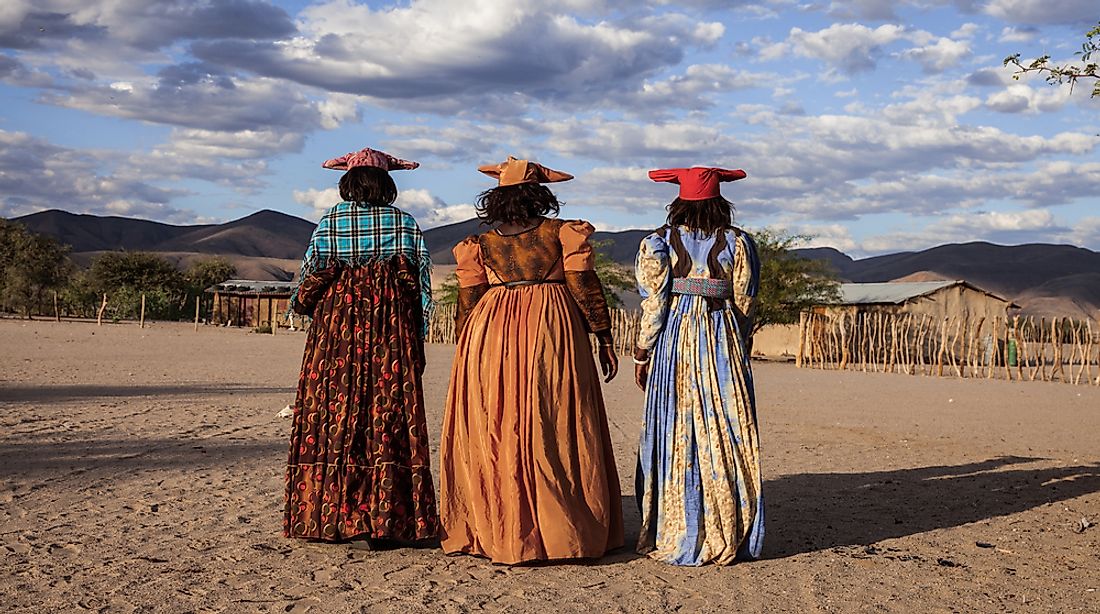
[{"x": 351, "y": 234}]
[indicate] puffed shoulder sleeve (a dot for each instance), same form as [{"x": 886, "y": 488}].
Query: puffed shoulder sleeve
[
  {"x": 579, "y": 261},
  {"x": 745, "y": 278},
  {"x": 576, "y": 252},
  {"x": 473, "y": 282},
  {"x": 653, "y": 271}
]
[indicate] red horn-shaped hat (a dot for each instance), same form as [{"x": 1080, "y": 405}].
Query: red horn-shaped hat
[{"x": 697, "y": 182}]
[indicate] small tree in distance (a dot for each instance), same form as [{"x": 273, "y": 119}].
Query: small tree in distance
[
  {"x": 789, "y": 283},
  {"x": 30, "y": 265},
  {"x": 614, "y": 277}
]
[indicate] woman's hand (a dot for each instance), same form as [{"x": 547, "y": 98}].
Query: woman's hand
[
  {"x": 641, "y": 374},
  {"x": 641, "y": 367},
  {"x": 609, "y": 362}
]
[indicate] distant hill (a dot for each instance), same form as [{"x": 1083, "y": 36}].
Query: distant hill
[
  {"x": 1045, "y": 279},
  {"x": 89, "y": 233},
  {"x": 263, "y": 234}
]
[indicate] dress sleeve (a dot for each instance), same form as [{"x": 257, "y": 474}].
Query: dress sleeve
[
  {"x": 312, "y": 288},
  {"x": 307, "y": 266},
  {"x": 745, "y": 277},
  {"x": 653, "y": 270},
  {"x": 473, "y": 282},
  {"x": 424, "y": 263},
  {"x": 579, "y": 261}
]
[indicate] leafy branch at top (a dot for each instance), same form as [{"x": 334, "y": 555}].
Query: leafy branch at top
[{"x": 1067, "y": 73}]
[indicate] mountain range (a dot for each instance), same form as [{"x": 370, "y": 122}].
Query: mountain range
[{"x": 1044, "y": 279}]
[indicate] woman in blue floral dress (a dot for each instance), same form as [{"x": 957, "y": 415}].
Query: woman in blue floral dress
[{"x": 698, "y": 480}]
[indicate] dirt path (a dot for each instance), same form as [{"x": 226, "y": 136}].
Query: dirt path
[{"x": 142, "y": 470}]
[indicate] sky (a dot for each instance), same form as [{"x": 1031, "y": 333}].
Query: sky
[{"x": 873, "y": 126}]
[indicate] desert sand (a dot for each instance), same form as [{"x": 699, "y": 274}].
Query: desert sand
[{"x": 142, "y": 471}]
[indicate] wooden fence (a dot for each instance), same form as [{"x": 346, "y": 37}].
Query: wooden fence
[
  {"x": 1012, "y": 348},
  {"x": 624, "y": 327}
]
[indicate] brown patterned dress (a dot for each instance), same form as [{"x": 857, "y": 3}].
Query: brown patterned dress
[{"x": 359, "y": 459}]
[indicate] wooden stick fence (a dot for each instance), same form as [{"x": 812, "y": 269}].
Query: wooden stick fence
[{"x": 1013, "y": 348}]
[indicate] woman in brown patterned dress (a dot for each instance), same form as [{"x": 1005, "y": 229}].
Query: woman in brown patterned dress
[
  {"x": 527, "y": 469},
  {"x": 359, "y": 459}
]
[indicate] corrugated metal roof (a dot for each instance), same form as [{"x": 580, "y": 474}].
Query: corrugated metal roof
[
  {"x": 254, "y": 287},
  {"x": 894, "y": 293}
]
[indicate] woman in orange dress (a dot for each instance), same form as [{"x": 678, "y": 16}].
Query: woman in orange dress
[{"x": 527, "y": 469}]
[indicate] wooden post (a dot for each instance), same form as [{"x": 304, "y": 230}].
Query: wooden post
[
  {"x": 802, "y": 317},
  {"x": 845, "y": 357},
  {"x": 272, "y": 316},
  {"x": 56, "y": 308},
  {"x": 1056, "y": 348},
  {"x": 942, "y": 348},
  {"x": 1077, "y": 343},
  {"x": 141, "y": 323},
  {"x": 1088, "y": 351},
  {"x": 102, "y": 308},
  {"x": 197, "y": 299}
]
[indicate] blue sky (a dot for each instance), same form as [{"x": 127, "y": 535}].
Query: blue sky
[{"x": 874, "y": 125}]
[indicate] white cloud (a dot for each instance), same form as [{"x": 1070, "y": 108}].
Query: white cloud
[
  {"x": 850, "y": 48},
  {"x": 36, "y": 175},
  {"x": 967, "y": 31},
  {"x": 318, "y": 201},
  {"x": 1018, "y": 34},
  {"x": 1022, "y": 98},
  {"x": 489, "y": 48},
  {"x": 429, "y": 210},
  {"x": 939, "y": 56},
  {"x": 1003, "y": 227},
  {"x": 876, "y": 10},
  {"x": 1031, "y": 12}
]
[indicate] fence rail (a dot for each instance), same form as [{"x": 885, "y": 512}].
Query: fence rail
[{"x": 1012, "y": 348}]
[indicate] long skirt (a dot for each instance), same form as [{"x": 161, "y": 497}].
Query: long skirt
[
  {"x": 527, "y": 467},
  {"x": 359, "y": 457},
  {"x": 698, "y": 478}
]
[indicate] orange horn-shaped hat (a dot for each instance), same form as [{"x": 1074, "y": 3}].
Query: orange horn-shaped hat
[{"x": 514, "y": 172}]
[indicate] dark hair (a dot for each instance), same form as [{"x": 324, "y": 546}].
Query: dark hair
[
  {"x": 368, "y": 184},
  {"x": 513, "y": 203},
  {"x": 710, "y": 215}
]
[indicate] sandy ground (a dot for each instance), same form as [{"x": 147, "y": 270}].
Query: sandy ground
[{"x": 142, "y": 470}]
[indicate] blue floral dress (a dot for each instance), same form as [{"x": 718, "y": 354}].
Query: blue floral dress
[{"x": 698, "y": 480}]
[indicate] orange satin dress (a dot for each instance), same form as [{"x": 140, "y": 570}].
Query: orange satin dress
[{"x": 527, "y": 468}]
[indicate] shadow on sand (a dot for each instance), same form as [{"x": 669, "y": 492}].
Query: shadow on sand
[
  {"x": 36, "y": 459},
  {"x": 818, "y": 511},
  {"x": 807, "y": 512},
  {"x": 52, "y": 394},
  {"x": 810, "y": 512}
]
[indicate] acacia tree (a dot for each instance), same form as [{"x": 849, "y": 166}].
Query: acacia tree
[
  {"x": 1066, "y": 73},
  {"x": 30, "y": 264},
  {"x": 206, "y": 272},
  {"x": 789, "y": 283},
  {"x": 125, "y": 276}
]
